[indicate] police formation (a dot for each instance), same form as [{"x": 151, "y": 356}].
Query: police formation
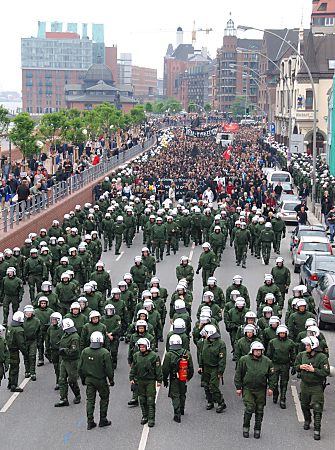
[{"x": 76, "y": 319}]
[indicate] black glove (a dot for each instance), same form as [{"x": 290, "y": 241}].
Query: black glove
[
  {"x": 231, "y": 244},
  {"x": 111, "y": 383},
  {"x": 166, "y": 383},
  {"x": 197, "y": 271},
  {"x": 83, "y": 381},
  {"x": 62, "y": 351},
  {"x": 293, "y": 371}
]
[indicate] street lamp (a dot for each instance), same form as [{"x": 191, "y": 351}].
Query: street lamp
[{"x": 246, "y": 28}]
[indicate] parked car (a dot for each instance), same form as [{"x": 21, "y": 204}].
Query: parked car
[
  {"x": 286, "y": 208},
  {"x": 287, "y": 188},
  {"x": 306, "y": 230},
  {"x": 314, "y": 268},
  {"x": 324, "y": 298},
  {"x": 310, "y": 245}
]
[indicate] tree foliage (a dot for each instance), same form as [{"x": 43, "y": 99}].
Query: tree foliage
[
  {"x": 23, "y": 134},
  {"x": 4, "y": 120}
]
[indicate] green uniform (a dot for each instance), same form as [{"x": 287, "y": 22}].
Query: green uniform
[
  {"x": 158, "y": 240},
  {"x": 52, "y": 341},
  {"x": 266, "y": 289},
  {"x": 113, "y": 327},
  {"x": 282, "y": 278},
  {"x": 185, "y": 340},
  {"x": 140, "y": 276},
  {"x": 268, "y": 334},
  {"x": 150, "y": 263},
  {"x": 234, "y": 319},
  {"x": 296, "y": 323},
  {"x": 146, "y": 370},
  {"x": 177, "y": 388},
  {"x": 187, "y": 272},
  {"x": 242, "y": 240},
  {"x": 258, "y": 229},
  {"x": 12, "y": 293},
  {"x": 88, "y": 329},
  {"x": 53, "y": 302},
  {"x": 243, "y": 290},
  {"x": 213, "y": 364},
  {"x": 187, "y": 297},
  {"x": 253, "y": 376},
  {"x": 207, "y": 262},
  {"x": 43, "y": 315},
  {"x": 242, "y": 346},
  {"x": 3, "y": 271},
  {"x": 67, "y": 294},
  {"x": 16, "y": 343},
  {"x": 95, "y": 366},
  {"x": 282, "y": 354},
  {"x": 103, "y": 280},
  {"x": 69, "y": 350},
  {"x": 35, "y": 272},
  {"x": 312, "y": 385},
  {"x": 172, "y": 231},
  {"x": 4, "y": 358},
  {"x": 266, "y": 238},
  {"x": 79, "y": 320},
  {"x": 218, "y": 293},
  {"x": 279, "y": 231},
  {"x": 32, "y": 331},
  {"x": 215, "y": 308},
  {"x": 130, "y": 227}
]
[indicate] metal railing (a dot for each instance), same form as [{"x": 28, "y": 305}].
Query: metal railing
[{"x": 17, "y": 212}]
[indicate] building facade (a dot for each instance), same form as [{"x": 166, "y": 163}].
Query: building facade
[
  {"x": 331, "y": 130},
  {"x": 144, "y": 81},
  {"x": 237, "y": 63},
  {"x": 58, "y": 56},
  {"x": 323, "y": 16}
]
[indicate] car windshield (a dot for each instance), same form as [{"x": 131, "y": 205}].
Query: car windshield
[
  {"x": 312, "y": 233},
  {"x": 290, "y": 206},
  {"x": 283, "y": 177},
  {"x": 315, "y": 247}
]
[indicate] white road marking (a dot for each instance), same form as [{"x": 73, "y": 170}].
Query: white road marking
[
  {"x": 297, "y": 404},
  {"x": 145, "y": 432},
  {"x": 191, "y": 252},
  {"x": 13, "y": 397},
  {"x": 119, "y": 257}
]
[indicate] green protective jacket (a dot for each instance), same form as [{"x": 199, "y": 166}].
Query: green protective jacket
[
  {"x": 171, "y": 362},
  {"x": 3, "y": 268},
  {"x": 217, "y": 239},
  {"x": 55, "y": 232},
  {"x": 113, "y": 324},
  {"x": 32, "y": 329},
  {"x": 95, "y": 300},
  {"x": 43, "y": 315},
  {"x": 53, "y": 337},
  {"x": 242, "y": 346},
  {"x": 278, "y": 225},
  {"x": 77, "y": 264},
  {"x": 242, "y": 237},
  {"x": 267, "y": 236},
  {"x": 281, "y": 351},
  {"x": 243, "y": 290},
  {"x": 47, "y": 259},
  {"x": 103, "y": 281},
  {"x": 129, "y": 221},
  {"x": 150, "y": 263},
  {"x": 188, "y": 299},
  {"x": 120, "y": 307},
  {"x": 73, "y": 241},
  {"x": 96, "y": 363},
  {"x": 186, "y": 272},
  {"x": 139, "y": 273},
  {"x": 254, "y": 374},
  {"x": 146, "y": 366},
  {"x": 15, "y": 338},
  {"x": 4, "y": 353},
  {"x": 69, "y": 346},
  {"x": 207, "y": 261},
  {"x": 171, "y": 229},
  {"x": 67, "y": 293},
  {"x": 60, "y": 269},
  {"x": 281, "y": 276},
  {"x": 219, "y": 297},
  {"x": 132, "y": 349},
  {"x": 265, "y": 289},
  {"x": 119, "y": 229},
  {"x": 215, "y": 308},
  {"x": 88, "y": 329},
  {"x": 158, "y": 233},
  {"x": 36, "y": 267},
  {"x": 269, "y": 333},
  {"x": 296, "y": 323},
  {"x": 323, "y": 346},
  {"x": 320, "y": 363},
  {"x": 235, "y": 318},
  {"x": 12, "y": 287},
  {"x": 213, "y": 354},
  {"x": 79, "y": 321},
  {"x": 258, "y": 229},
  {"x": 108, "y": 226},
  {"x": 206, "y": 221}
]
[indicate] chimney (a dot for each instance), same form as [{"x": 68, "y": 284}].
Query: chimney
[{"x": 179, "y": 36}]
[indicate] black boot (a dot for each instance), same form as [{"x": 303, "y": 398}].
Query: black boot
[
  {"x": 275, "y": 396},
  {"x": 246, "y": 424},
  {"x": 177, "y": 418},
  {"x": 308, "y": 419},
  {"x": 104, "y": 422},
  {"x": 91, "y": 424},
  {"x": 133, "y": 402},
  {"x": 221, "y": 407},
  {"x": 62, "y": 402},
  {"x": 317, "y": 425},
  {"x": 258, "y": 425}
]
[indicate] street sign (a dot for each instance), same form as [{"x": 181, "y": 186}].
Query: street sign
[
  {"x": 297, "y": 143},
  {"x": 272, "y": 128}
]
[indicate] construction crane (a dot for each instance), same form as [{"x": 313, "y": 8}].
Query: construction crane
[{"x": 195, "y": 30}]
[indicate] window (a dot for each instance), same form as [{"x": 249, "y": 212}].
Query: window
[
  {"x": 309, "y": 100},
  {"x": 329, "y": 21},
  {"x": 322, "y": 7}
]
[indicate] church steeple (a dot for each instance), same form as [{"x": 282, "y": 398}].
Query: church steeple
[{"x": 230, "y": 29}]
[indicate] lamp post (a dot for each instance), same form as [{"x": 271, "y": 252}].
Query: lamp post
[
  {"x": 289, "y": 99},
  {"x": 246, "y": 28}
]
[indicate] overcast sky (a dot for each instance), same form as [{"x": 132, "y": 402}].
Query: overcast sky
[{"x": 143, "y": 28}]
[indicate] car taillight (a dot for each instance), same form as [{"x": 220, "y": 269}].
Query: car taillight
[
  {"x": 299, "y": 248},
  {"x": 326, "y": 302},
  {"x": 314, "y": 277}
]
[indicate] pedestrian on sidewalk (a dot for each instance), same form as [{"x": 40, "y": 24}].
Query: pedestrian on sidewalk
[{"x": 330, "y": 219}]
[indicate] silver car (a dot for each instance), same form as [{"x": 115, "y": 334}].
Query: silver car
[
  {"x": 286, "y": 208},
  {"x": 310, "y": 245}
]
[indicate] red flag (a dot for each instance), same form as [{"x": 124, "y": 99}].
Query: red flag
[{"x": 227, "y": 154}]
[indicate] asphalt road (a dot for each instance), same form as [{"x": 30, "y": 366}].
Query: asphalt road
[{"x": 31, "y": 421}]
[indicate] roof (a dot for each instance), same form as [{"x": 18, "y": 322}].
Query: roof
[
  {"x": 250, "y": 44},
  {"x": 275, "y": 47},
  {"x": 99, "y": 72},
  {"x": 318, "y": 50},
  {"x": 101, "y": 86},
  {"x": 183, "y": 51}
]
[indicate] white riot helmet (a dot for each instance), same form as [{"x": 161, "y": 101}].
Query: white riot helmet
[
  {"x": 179, "y": 305},
  {"x": 93, "y": 314},
  {"x": 18, "y": 316},
  {"x": 97, "y": 339},
  {"x": 179, "y": 326},
  {"x": 143, "y": 341},
  {"x": 211, "y": 331},
  {"x": 141, "y": 323},
  {"x": 282, "y": 329},
  {"x": 237, "y": 279},
  {"x": 312, "y": 341},
  {"x": 68, "y": 326},
  {"x": 256, "y": 346},
  {"x": 175, "y": 342},
  {"x": 250, "y": 328},
  {"x": 57, "y": 316}
]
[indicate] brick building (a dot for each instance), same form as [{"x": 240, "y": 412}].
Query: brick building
[{"x": 144, "y": 81}]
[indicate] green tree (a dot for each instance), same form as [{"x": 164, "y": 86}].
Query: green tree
[
  {"x": 239, "y": 105},
  {"x": 191, "y": 107},
  {"x": 23, "y": 134},
  {"x": 148, "y": 107},
  {"x": 107, "y": 116},
  {"x": 159, "y": 107},
  {"x": 51, "y": 127},
  {"x": 208, "y": 107},
  {"x": 4, "y": 120},
  {"x": 73, "y": 131},
  {"x": 172, "y": 105},
  {"x": 138, "y": 115}
]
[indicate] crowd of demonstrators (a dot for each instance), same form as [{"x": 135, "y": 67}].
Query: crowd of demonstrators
[{"x": 76, "y": 316}]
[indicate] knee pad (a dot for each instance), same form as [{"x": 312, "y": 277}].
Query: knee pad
[
  {"x": 249, "y": 409},
  {"x": 317, "y": 407}
]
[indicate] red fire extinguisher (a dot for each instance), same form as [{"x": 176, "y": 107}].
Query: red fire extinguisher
[{"x": 183, "y": 369}]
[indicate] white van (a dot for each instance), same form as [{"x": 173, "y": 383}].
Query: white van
[
  {"x": 279, "y": 176},
  {"x": 225, "y": 139}
]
